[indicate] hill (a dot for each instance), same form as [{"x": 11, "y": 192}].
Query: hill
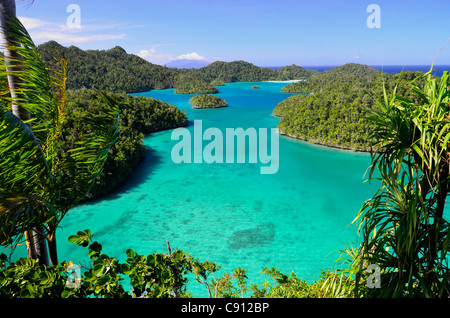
[
  {"x": 242, "y": 71},
  {"x": 348, "y": 73},
  {"x": 331, "y": 108},
  {"x": 118, "y": 71},
  {"x": 112, "y": 70},
  {"x": 207, "y": 101}
]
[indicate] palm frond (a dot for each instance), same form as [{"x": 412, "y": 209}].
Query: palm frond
[
  {"x": 35, "y": 84},
  {"x": 77, "y": 171},
  {"x": 23, "y": 167},
  {"x": 19, "y": 213}
]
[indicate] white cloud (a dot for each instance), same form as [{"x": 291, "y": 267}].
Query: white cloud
[
  {"x": 43, "y": 31},
  {"x": 155, "y": 57},
  {"x": 190, "y": 56},
  {"x": 147, "y": 53},
  {"x": 31, "y": 23},
  {"x": 65, "y": 38}
]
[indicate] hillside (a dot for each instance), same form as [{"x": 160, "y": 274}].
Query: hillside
[
  {"x": 345, "y": 75},
  {"x": 241, "y": 71},
  {"x": 331, "y": 108},
  {"x": 112, "y": 70},
  {"x": 138, "y": 116},
  {"x": 207, "y": 101},
  {"x": 118, "y": 71}
]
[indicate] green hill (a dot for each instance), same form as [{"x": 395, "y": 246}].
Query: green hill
[
  {"x": 118, "y": 71},
  {"x": 331, "y": 107},
  {"x": 112, "y": 70},
  {"x": 241, "y": 71},
  {"x": 207, "y": 101}
]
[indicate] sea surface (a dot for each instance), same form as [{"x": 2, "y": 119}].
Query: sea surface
[{"x": 296, "y": 220}]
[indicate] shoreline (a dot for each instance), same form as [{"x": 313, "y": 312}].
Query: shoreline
[
  {"x": 318, "y": 143},
  {"x": 288, "y": 81}
]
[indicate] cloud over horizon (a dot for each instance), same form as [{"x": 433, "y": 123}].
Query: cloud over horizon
[
  {"x": 190, "y": 56},
  {"x": 154, "y": 56}
]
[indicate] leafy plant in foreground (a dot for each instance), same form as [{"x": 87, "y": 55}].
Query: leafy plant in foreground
[
  {"x": 403, "y": 227},
  {"x": 38, "y": 185}
]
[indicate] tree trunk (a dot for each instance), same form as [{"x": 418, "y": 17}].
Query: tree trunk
[
  {"x": 8, "y": 11},
  {"x": 36, "y": 238}
]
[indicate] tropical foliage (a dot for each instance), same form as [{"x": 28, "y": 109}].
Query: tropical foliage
[
  {"x": 186, "y": 84},
  {"x": 207, "y": 101},
  {"x": 157, "y": 275},
  {"x": 403, "y": 226},
  {"x": 404, "y": 229},
  {"x": 331, "y": 108},
  {"x": 241, "y": 71},
  {"x": 38, "y": 185},
  {"x": 115, "y": 70},
  {"x": 111, "y": 70}
]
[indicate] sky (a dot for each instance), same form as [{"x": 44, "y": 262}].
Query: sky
[{"x": 262, "y": 32}]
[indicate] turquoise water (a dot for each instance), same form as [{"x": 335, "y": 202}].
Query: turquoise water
[{"x": 295, "y": 220}]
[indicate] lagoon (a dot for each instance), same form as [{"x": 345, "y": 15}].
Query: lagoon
[{"x": 297, "y": 219}]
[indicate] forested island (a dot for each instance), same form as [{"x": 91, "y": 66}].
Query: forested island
[
  {"x": 118, "y": 71},
  {"x": 138, "y": 116},
  {"x": 330, "y": 108},
  {"x": 186, "y": 84},
  {"x": 207, "y": 101},
  {"x": 112, "y": 70}
]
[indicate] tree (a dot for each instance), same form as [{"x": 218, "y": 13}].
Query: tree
[
  {"x": 38, "y": 186},
  {"x": 7, "y": 13},
  {"x": 403, "y": 227}
]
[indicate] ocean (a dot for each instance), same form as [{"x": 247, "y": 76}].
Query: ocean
[{"x": 297, "y": 219}]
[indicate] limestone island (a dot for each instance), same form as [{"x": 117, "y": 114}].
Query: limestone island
[{"x": 207, "y": 101}]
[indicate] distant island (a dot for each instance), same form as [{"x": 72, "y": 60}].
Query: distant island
[{"x": 207, "y": 101}]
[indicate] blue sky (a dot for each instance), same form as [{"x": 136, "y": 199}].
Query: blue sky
[{"x": 263, "y": 32}]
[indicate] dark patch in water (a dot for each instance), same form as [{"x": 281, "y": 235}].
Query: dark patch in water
[
  {"x": 142, "y": 197},
  {"x": 256, "y": 237}
]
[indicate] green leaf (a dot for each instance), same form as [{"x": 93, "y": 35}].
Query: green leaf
[{"x": 82, "y": 238}]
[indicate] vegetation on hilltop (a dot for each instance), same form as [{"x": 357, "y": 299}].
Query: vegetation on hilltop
[
  {"x": 117, "y": 71},
  {"x": 331, "y": 108},
  {"x": 207, "y": 101},
  {"x": 138, "y": 116},
  {"x": 112, "y": 70},
  {"x": 186, "y": 84},
  {"x": 241, "y": 71}
]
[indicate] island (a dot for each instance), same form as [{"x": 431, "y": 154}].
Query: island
[
  {"x": 185, "y": 84},
  {"x": 207, "y": 101},
  {"x": 331, "y": 108},
  {"x": 255, "y": 87}
]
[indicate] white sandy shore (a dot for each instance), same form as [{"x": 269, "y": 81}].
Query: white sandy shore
[{"x": 291, "y": 81}]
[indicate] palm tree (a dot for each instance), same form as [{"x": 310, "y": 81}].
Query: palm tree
[
  {"x": 38, "y": 186},
  {"x": 7, "y": 12}
]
